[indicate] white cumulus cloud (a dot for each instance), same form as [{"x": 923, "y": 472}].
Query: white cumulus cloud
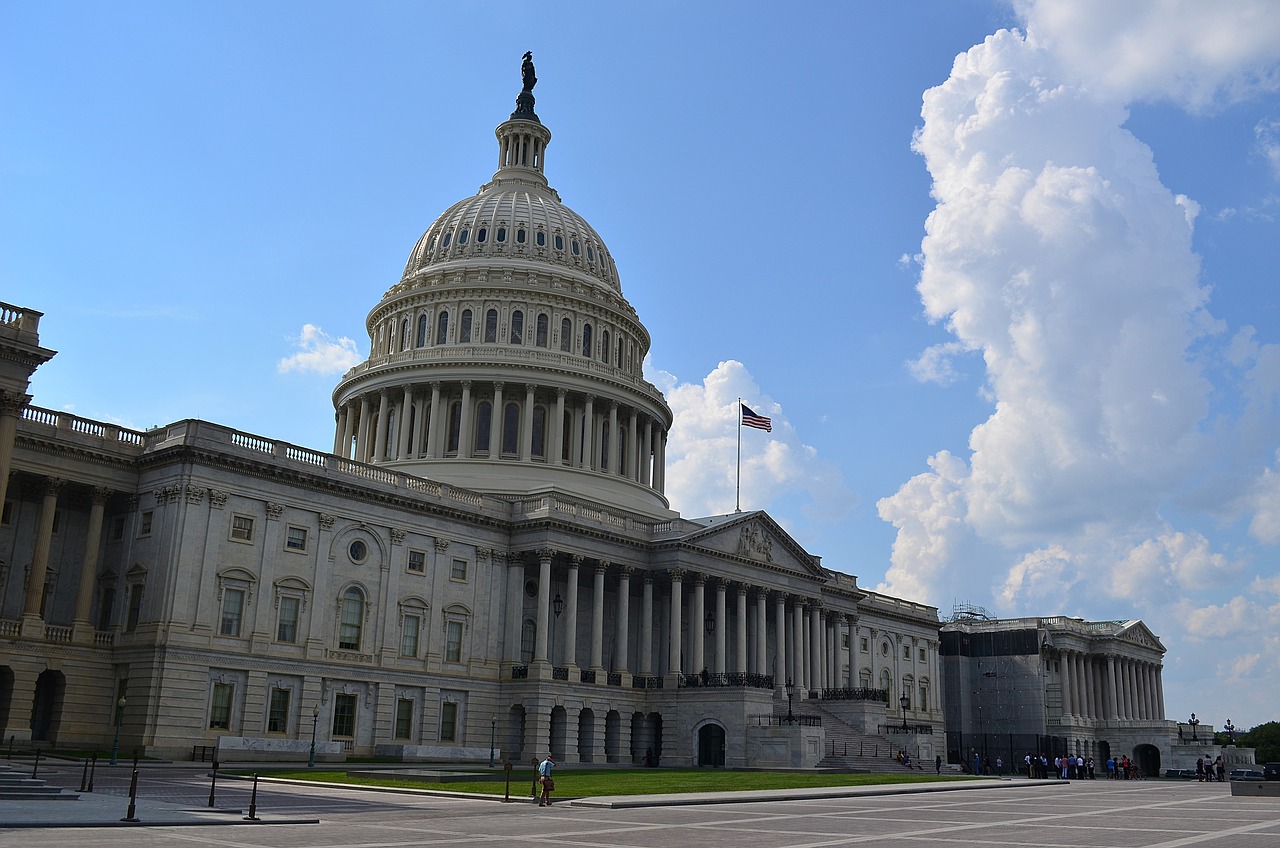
[{"x": 320, "y": 353}]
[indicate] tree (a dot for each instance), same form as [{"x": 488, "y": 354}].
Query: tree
[{"x": 1265, "y": 738}]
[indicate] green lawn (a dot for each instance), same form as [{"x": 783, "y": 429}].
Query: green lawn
[{"x": 579, "y": 783}]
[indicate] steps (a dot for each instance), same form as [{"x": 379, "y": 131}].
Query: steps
[{"x": 16, "y": 786}]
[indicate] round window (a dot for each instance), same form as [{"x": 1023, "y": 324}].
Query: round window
[
  {"x": 358, "y": 550},
  {"x": 884, "y": 649},
  {"x": 531, "y": 589}
]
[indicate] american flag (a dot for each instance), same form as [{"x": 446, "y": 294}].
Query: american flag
[{"x": 750, "y": 419}]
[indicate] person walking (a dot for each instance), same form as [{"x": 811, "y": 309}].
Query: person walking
[
  {"x": 937, "y": 764},
  {"x": 545, "y": 779}
]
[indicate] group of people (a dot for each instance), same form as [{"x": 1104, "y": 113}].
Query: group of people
[
  {"x": 1211, "y": 770},
  {"x": 1068, "y": 767},
  {"x": 1123, "y": 769}
]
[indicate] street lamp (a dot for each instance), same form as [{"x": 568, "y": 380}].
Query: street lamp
[
  {"x": 493, "y": 736},
  {"x": 1193, "y": 721},
  {"x": 557, "y": 606},
  {"x": 115, "y": 746},
  {"x": 791, "y": 691},
  {"x": 1230, "y": 730},
  {"x": 315, "y": 717},
  {"x": 904, "y": 702},
  {"x": 710, "y": 623}
]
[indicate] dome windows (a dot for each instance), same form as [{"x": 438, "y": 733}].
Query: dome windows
[
  {"x": 491, "y": 326},
  {"x": 442, "y": 328},
  {"x": 566, "y": 335},
  {"x": 576, "y": 248},
  {"x": 517, "y": 327},
  {"x": 464, "y": 327},
  {"x": 521, "y": 236},
  {"x": 559, "y": 242},
  {"x": 586, "y": 340},
  {"x": 540, "y": 238},
  {"x": 501, "y": 235},
  {"x": 482, "y": 235},
  {"x": 422, "y": 331},
  {"x": 447, "y": 240},
  {"x": 591, "y": 253},
  {"x": 540, "y": 334},
  {"x": 462, "y": 236}
]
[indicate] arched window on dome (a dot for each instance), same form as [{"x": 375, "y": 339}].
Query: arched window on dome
[
  {"x": 576, "y": 246},
  {"x": 491, "y": 326},
  {"x": 517, "y": 327},
  {"x": 455, "y": 424},
  {"x": 511, "y": 429},
  {"x": 521, "y": 235},
  {"x": 482, "y": 235},
  {"x": 604, "y": 346},
  {"x": 464, "y": 327},
  {"x": 619, "y": 360},
  {"x": 566, "y": 335},
  {"x": 422, "y": 331},
  {"x": 540, "y": 238},
  {"x": 591, "y": 253},
  {"x": 463, "y": 236},
  {"x": 540, "y": 335},
  {"x": 404, "y": 334},
  {"x": 448, "y": 238},
  {"x": 484, "y": 422},
  {"x": 501, "y": 235},
  {"x": 539, "y": 447},
  {"x": 442, "y": 327},
  {"x": 559, "y": 242},
  {"x": 586, "y": 340}
]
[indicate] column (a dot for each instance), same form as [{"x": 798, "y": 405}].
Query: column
[
  {"x": 660, "y": 463},
  {"x": 697, "y": 640},
  {"x": 632, "y": 447},
  {"x": 349, "y": 424},
  {"x": 1065, "y": 683},
  {"x": 815, "y": 646},
  {"x": 32, "y": 607},
  {"x": 544, "y": 604},
  {"x": 340, "y": 421},
  {"x": 555, "y": 451},
  {"x": 597, "y": 618},
  {"x": 419, "y": 436},
  {"x": 11, "y": 406},
  {"x": 89, "y": 565},
  {"x": 1082, "y": 684},
  {"x": 621, "y": 627},
  {"x": 613, "y": 462},
  {"x": 588, "y": 459},
  {"x": 466, "y": 432},
  {"x": 571, "y": 612},
  {"x": 435, "y": 439},
  {"x": 740, "y": 633},
  {"x": 1160, "y": 692},
  {"x": 380, "y": 434},
  {"x": 851, "y": 622},
  {"x": 721, "y": 586},
  {"x": 673, "y": 646},
  {"x": 646, "y": 454},
  {"x": 526, "y": 429},
  {"x": 1113, "y": 708},
  {"x": 780, "y": 632},
  {"x": 362, "y": 433},
  {"x": 1124, "y": 688},
  {"x": 799, "y": 668},
  {"x": 762, "y": 633},
  {"x": 646, "y": 625},
  {"x": 403, "y": 434},
  {"x": 515, "y": 605},
  {"x": 496, "y": 421}
]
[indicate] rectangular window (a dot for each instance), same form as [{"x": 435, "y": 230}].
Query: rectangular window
[
  {"x": 117, "y": 528},
  {"x": 906, "y": 652},
  {"x": 104, "y": 608},
  {"x": 144, "y": 523},
  {"x": 220, "y": 706},
  {"x": 344, "y": 716},
  {"x": 863, "y": 645},
  {"x": 278, "y": 711},
  {"x": 242, "y": 528},
  {"x": 844, "y": 640},
  {"x": 409, "y": 627},
  {"x": 459, "y": 570},
  {"x": 135, "y": 608},
  {"x": 417, "y": 562},
  {"x": 296, "y": 539},
  {"x": 448, "y": 722},
  {"x": 404, "y": 719},
  {"x": 453, "y": 642},
  {"x": 922, "y": 655},
  {"x": 232, "y": 611},
  {"x": 924, "y": 697},
  {"x": 287, "y": 620}
]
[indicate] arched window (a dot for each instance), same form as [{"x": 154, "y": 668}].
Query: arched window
[
  {"x": 540, "y": 335},
  {"x": 404, "y": 334},
  {"x": 864, "y": 678},
  {"x": 586, "y": 340},
  {"x": 539, "y": 431},
  {"x": 352, "y": 619},
  {"x": 511, "y": 428},
  {"x": 517, "y": 327},
  {"x": 618, "y": 362},
  {"x": 455, "y": 423},
  {"x": 886, "y": 682},
  {"x": 559, "y": 242},
  {"x": 491, "y": 326},
  {"x": 484, "y": 420},
  {"x": 604, "y": 346},
  {"x": 462, "y": 236},
  {"x": 442, "y": 327},
  {"x": 422, "y": 331},
  {"x": 566, "y": 334},
  {"x": 528, "y": 635},
  {"x": 464, "y": 327}
]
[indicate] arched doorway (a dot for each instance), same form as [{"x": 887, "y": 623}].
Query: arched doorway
[
  {"x": 586, "y": 735},
  {"x": 612, "y": 737},
  {"x": 558, "y": 726},
  {"x": 711, "y": 745},
  {"x": 513, "y": 747},
  {"x": 46, "y": 707},
  {"x": 1148, "y": 759},
  {"x": 6, "y": 696}
]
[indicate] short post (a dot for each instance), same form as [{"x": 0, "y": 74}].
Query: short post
[
  {"x": 35, "y": 769},
  {"x": 84, "y": 775},
  {"x": 253, "y": 800},
  {"x": 534, "y": 791},
  {"x": 315, "y": 717},
  {"x": 506, "y": 798},
  {"x": 493, "y": 732},
  {"x": 131, "y": 816},
  {"x": 213, "y": 783},
  {"x": 115, "y": 746},
  {"x": 93, "y": 770}
]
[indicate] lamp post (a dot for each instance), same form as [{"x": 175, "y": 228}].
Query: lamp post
[
  {"x": 557, "y": 606},
  {"x": 493, "y": 737},
  {"x": 904, "y": 702},
  {"x": 315, "y": 717},
  {"x": 115, "y": 746},
  {"x": 1230, "y": 730},
  {"x": 1193, "y": 721},
  {"x": 710, "y": 623},
  {"x": 791, "y": 691}
]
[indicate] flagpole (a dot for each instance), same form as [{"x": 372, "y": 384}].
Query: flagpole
[{"x": 737, "y": 494}]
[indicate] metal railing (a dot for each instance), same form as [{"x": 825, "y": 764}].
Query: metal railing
[
  {"x": 739, "y": 680},
  {"x": 847, "y": 693}
]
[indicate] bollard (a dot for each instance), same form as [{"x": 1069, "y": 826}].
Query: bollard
[
  {"x": 35, "y": 769},
  {"x": 507, "y": 768},
  {"x": 534, "y": 791},
  {"x": 253, "y": 801},
  {"x": 213, "y": 783},
  {"x": 93, "y": 770},
  {"x": 131, "y": 816},
  {"x": 84, "y": 775}
]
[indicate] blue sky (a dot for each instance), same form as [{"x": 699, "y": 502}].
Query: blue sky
[{"x": 1016, "y": 318}]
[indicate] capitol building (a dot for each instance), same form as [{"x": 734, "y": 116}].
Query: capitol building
[{"x": 483, "y": 563}]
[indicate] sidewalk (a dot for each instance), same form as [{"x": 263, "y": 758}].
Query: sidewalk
[{"x": 107, "y": 811}]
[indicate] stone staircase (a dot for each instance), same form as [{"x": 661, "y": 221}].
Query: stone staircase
[
  {"x": 847, "y": 747},
  {"x": 17, "y": 786}
]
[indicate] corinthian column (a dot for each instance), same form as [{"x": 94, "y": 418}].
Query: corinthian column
[
  {"x": 81, "y": 629},
  {"x": 673, "y": 642},
  {"x": 32, "y": 607},
  {"x": 623, "y": 624},
  {"x": 11, "y": 406}
]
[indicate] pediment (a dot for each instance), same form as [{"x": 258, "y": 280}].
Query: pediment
[
  {"x": 756, "y": 537},
  {"x": 1139, "y": 634}
]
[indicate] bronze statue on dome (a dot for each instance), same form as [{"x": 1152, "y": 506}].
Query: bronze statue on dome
[
  {"x": 527, "y": 75},
  {"x": 524, "y": 101}
]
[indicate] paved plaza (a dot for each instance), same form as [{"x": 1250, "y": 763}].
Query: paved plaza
[{"x": 1150, "y": 814}]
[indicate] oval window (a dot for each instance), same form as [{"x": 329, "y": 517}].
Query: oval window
[
  {"x": 520, "y": 236},
  {"x": 559, "y": 242},
  {"x": 448, "y": 237},
  {"x": 462, "y": 236},
  {"x": 577, "y": 250},
  {"x": 591, "y": 253},
  {"x": 358, "y": 551},
  {"x": 502, "y": 234},
  {"x": 541, "y": 239},
  {"x": 482, "y": 235}
]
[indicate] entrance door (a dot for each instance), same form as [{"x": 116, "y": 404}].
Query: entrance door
[
  {"x": 1148, "y": 757},
  {"x": 711, "y": 745},
  {"x": 46, "y": 708}
]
